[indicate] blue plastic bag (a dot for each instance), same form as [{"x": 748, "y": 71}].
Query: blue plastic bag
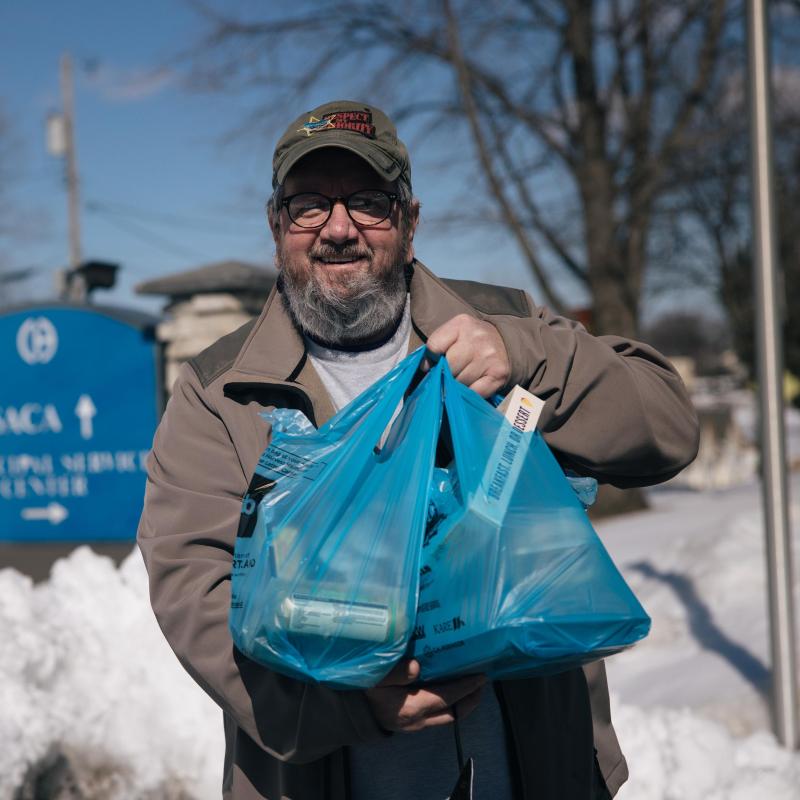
[
  {"x": 514, "y": 580},
  {"x": 326, "y": 563}
]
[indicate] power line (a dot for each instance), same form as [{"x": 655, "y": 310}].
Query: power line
[
  {"x": 173, "y": 220},
  {"x": 146, "y": 236}
]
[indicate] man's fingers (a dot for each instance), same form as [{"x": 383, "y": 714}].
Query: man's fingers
[
  {"x": 447, "y": 694},
  {"x": 398, "y": 707},
  {"x": 486, "y": 386},
  {"x": 459, "y": 358},
  {"x": 475, "y": 352},
  {"x": 442, "y": 718},
  {"x": 470, "y": 373},
  {"x": 463, "y": 694},
  {"x": 403, "y": 673},
  {"x": 445, "y": 336},
  {"x": 480, "y": 377}
]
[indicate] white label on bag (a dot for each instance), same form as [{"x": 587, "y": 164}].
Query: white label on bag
[
  {"x": 521, "y": 409},
  {"x": 322, "y": 617}
]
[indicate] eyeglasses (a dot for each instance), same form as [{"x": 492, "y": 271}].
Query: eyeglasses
[{"x": 313, "y": 210}]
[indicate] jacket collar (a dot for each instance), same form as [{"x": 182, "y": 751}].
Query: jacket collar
[
  {"x": 274, "y": 348},
  {"x": 433, "y": 302}
]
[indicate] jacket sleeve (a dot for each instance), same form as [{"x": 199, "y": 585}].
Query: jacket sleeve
[
  {"x": 187, "y": 534},
  {"x": 615, "y": 409}
]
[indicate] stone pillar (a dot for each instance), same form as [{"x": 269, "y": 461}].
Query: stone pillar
[{"x": 194, "y": 324}]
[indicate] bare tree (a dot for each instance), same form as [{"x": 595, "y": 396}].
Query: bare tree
[
  {"x": 587, "y": 104},
  {"x": 736, "y": 286},
  {"x": 715, "y": 187}
]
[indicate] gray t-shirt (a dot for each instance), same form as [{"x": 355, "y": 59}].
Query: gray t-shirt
[
  {"x": 421, "y": 765},
  {"x": 347, "y": 373}
]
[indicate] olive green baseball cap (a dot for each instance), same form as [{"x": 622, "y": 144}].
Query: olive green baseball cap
[{"x": 362, "y": 129}]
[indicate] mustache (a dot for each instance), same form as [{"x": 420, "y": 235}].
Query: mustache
[{"x": 347, "y": 251}]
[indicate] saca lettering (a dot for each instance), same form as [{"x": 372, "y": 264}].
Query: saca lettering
[{"x": 30, "y": 419}]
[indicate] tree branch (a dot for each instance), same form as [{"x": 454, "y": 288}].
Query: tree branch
[
  {"x": 533, "y": 212},
  {"x": 470, "y": 108}
]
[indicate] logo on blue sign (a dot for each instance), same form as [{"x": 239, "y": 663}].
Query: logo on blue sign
[{"x": 37, "y": 340}]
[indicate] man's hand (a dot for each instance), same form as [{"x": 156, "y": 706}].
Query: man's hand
[
  {"x": 399, "y": 707},
  {"x": 475, "y": 353}
]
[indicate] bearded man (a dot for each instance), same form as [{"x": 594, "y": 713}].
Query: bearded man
[{"x": 351, "y": 301}]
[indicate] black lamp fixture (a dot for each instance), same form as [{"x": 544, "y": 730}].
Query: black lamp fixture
[{"x": 82, "y": 280}]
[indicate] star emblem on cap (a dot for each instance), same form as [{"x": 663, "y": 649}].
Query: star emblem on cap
[{"x": 315, "y": 124}]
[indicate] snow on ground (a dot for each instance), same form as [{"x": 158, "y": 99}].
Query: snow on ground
[
  {"x": 692, "y": 708},
  {"x": 84, "y": 668},
  {"x": 680, "y": 755},
  {"x": 86, "y": 674},
  {"x": 696, "y": 561}
]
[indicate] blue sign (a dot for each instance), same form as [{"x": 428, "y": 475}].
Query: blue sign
[{"x": 78, "y": 409}]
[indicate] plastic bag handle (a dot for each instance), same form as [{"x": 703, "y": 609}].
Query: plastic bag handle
[
  {"x": 453, "y": 398},
  {"x": 375, "y": 408}
]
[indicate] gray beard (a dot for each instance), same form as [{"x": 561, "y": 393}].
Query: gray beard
[{"x": 371, "y": 304}]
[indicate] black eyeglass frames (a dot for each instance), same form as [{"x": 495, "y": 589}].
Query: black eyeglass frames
[{"x": 313, "y": 210}]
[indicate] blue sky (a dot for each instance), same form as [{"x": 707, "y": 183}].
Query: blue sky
[
  {"x": 160, "y": 192},
  {"x": 145, "y": 147}
]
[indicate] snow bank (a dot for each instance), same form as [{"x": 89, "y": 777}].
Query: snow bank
[
  {"x": 87, "y": 678},
  {"x": 678, "y": 755}
]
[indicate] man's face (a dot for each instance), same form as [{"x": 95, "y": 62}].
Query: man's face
[
  {"x": 340, "y": 248},
  {"x": 342, "y": 273}
]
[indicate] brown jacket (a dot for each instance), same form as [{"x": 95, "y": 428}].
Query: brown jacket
[{"x": 615, "y": 410}]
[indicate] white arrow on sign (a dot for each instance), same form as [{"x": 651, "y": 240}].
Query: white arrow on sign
[
  {"x": 55, "y": 513},
  {"x": 85, "y": 411}
]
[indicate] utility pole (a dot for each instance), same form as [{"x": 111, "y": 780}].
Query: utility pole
[
  {"x": 770, "y": 361},
  {"x": 71, "y": 167}
]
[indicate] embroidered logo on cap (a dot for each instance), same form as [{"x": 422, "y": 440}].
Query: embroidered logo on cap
[{"x": 356, "y": 121}]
